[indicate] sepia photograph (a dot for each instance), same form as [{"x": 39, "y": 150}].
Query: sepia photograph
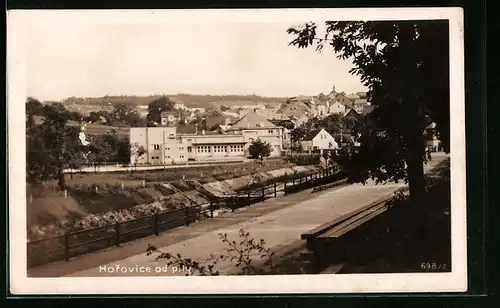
[{"x": 236, "y": 151}]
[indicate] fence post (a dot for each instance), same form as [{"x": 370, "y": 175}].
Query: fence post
[
  {"x": 66, "y": 246},
  {"x": 284, "y": 187},
  {"x": 117, "y": 234},
  {"x": 274, "y": 189},
  {"x": 186, "y": 215},
  {"x": 263, "y": 194},
  {"x": 211, "y": 209},
  {"x": 249, "y": 199},
  {"x": 155, "y": 224}
]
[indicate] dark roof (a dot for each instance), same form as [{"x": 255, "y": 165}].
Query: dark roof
[
  {"x": 344, "y": 100},
  {"x": 311, "y": 134},
  {"x": 352, "y": 113},
  {"x": 186, "y": 129},
  {"x": 346, "y": 138},
  {"x": 252, "y": 120},
  {"x": 283, "y": 123}
]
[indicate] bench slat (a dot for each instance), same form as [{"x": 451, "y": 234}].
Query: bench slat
[
  {"x": 351, "y": 220},
  {"x": 329, "y": 225},
  {"x": 338, "y": 232}
]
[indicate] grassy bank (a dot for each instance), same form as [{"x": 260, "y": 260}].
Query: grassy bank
[{"x": 101, "y": 193}]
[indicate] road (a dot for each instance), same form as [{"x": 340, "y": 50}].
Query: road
[{"x": 278, "y": 228}]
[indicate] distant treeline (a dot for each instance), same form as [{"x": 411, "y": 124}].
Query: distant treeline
[{"x": 189, "y": 100}]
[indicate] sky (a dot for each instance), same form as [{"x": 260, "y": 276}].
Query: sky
[{"x": 89, "y": 60}]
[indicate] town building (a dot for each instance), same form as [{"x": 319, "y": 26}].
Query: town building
[
  {"x": 180, "y": 106},
  {"x": 196, "y": 109},
  {"x": 337, "y": 108},
  {"x": 287, "y": 126},
  {"x": 359, "y": 105},
  {"x": 318, "y": 139},
  {"x": 166, "y": 145}
]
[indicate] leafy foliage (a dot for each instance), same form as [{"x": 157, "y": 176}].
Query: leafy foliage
[
  {"x": 405, "y": 66},
  {"x": 156, "y": 107},
  {"x": 137, "y": 151},
  {"x": 241, "y": 253},
  {"x": 125, "y": 115},
  {"x": 51, "y": 146},
  {"x": 333, "y": 124},
  {"x": 259, "y": 149}
]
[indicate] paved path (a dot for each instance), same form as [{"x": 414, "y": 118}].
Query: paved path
[{"x": 279, "y": 228}]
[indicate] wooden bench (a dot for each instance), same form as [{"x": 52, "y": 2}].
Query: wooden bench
[{"x": 328, "y": 235}]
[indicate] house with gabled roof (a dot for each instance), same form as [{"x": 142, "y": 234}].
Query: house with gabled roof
[
  {"x": 318, "y": 139},
  {"x": 359, "y": 104},
  {"x": 254, "y": 126},
  {"x": 287, "y": 125}
]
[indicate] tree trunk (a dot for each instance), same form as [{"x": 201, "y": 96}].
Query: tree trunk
[
  {"x": 60, "y": 176},
  {"x": 415, "y": 168}
]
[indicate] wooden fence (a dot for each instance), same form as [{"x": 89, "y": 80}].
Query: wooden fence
[{"x": 71, "y": 244}]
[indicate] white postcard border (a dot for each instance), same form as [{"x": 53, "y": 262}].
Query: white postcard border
[{"x": 456, "y": 281}]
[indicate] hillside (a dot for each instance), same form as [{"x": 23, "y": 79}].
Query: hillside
[{"x": 85, "y": 105}]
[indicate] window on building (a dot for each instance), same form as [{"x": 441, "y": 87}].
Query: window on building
[
  {"x": 156, "y": 146},
  {"x": 203, "y": 149},
  {"x": 189, "y": 149},
  {"x": 270, "y": 132}
]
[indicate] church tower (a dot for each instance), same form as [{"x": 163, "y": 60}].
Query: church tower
[{"x": 333, "y": 89}]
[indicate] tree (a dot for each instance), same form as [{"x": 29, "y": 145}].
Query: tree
[
  {"x": 52, "y": 146},
  {"x": 125, "y": 114},
  {"x": 33, "y": 106},
  {"x": 259, "y": 149},
  {"x": 156, "y": 107},
  {"x": 137, "y": 151},
  {"x": 93, "y": 117},
  {"x": 333, "y": 124},
  {"x": 101, "y": 150},
  {"x": 404, "y": 65},
  {"x": 123, "y": 151}
]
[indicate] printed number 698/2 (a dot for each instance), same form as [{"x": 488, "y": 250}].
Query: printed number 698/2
[{"x": 432, "y": 266}]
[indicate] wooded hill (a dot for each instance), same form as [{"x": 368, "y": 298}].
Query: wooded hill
[{"x": 87, "y": 104}]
